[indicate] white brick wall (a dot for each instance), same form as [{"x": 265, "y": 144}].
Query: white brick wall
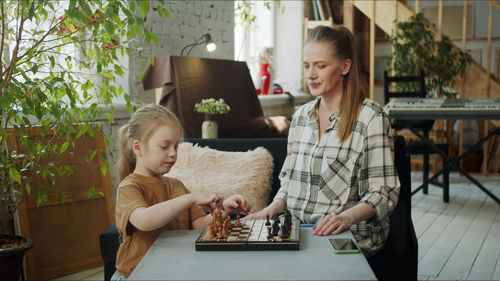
[{"x": 188, "y": 22}]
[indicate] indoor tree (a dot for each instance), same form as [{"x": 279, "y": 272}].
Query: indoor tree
[
  {"x": 416, "y": 47},
  {"x": 60, "y": 60}
]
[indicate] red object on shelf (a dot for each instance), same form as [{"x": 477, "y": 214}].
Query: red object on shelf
[{"x": 265, "y": 78}]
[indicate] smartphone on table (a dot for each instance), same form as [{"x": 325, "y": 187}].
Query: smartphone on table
[{"x": 343, "y": 245}]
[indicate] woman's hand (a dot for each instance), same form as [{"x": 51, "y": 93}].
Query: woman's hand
[
  {"x": 205, "y": 199},
  {"x": 276, "y": 207},
  {"x": 260, "y": 215},
  {"x": 236, "y": 203},
  {"x": 333, "y": 224}
]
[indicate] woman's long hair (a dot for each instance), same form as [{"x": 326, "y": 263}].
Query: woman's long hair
[
  {"x": 343, "y": 47},
  {"x": 140, "y": 127}
]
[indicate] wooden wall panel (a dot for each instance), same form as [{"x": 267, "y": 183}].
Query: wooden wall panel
[{"x": 66, "y": 234}]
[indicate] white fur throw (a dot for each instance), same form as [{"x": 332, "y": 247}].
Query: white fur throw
[{"x": 227, "y": 173}]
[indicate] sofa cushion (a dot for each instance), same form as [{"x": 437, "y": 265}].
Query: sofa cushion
[
  {"x": 276, "y": 146},
  {"x": 247, "y": 173}
]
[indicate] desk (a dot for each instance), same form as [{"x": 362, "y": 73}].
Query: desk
[
  {"x": 424, "y": 109},
  {"x": 173, "y": 257}
]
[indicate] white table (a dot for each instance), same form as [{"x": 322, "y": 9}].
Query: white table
[{"x": 173, "y": 257}]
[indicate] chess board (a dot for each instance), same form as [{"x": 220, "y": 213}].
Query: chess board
[{"x": 251, "y": 236}]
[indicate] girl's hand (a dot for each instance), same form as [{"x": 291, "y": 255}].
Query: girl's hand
[
  {"x": 236, "y": 203},
  {"x": 333, "y": 224},
  {"x": 205, "y": 199}
]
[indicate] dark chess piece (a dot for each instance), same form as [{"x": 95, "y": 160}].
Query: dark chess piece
[
  {"x": 284, "y": 231},
  {"x": 269, "y": 234},
  {"x": 276, "y": 226},
  {"x": 268, "y": 223},
  {"x": 288, "y": 218}
]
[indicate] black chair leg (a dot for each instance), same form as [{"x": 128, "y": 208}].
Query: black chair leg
[
  {"x": 426, "y": 173},
  {"x": 446, "y": 184}
]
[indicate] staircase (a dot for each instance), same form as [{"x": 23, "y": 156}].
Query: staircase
[{"x": 475, "y": 76}]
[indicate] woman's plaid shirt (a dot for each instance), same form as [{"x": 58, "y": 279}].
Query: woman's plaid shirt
[{"x": 327, "y": 177}]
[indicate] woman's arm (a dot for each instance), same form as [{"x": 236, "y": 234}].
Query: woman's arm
[
  {"x": 379, "y": 190},
  {"x": 334, "y": 224},
  {"x": 277, "y": 206}
]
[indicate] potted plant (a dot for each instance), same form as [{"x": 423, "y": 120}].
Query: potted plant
[
  {"x": 211, "y": 107},
  {"x": 51, "y": 52},
  {"x": 415, "y": 48}
]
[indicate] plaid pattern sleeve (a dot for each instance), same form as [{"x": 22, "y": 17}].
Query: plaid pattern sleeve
[
  {"x": 284, "y": 177},
  {"x": 324, "y": 176}
]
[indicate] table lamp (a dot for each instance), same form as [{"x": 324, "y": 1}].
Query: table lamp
[{"x": 205, "y": 38}]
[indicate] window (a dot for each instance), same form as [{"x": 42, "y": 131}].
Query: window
[{"x": 250, "y": 39}]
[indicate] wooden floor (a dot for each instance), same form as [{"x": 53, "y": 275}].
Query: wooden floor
[
  {"x": 91, "y": 274},
  {"x": 459, "y": 240}
]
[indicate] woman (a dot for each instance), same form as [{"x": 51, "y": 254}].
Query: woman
[{"x": 339, "y": 172}]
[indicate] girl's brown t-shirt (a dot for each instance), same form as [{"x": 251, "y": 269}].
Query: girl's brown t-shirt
[{"x": 142, "y": 191}]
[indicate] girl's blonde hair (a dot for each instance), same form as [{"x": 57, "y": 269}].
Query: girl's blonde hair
[
  {"x": 140, "y": 127},
  {"x": 343, "y": 47}
]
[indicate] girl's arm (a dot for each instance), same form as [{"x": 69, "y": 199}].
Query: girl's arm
[
  {"x": 158, "y": 215},
  {"x": 235, "y": 203},
  {"x": 202, "y": 222}
]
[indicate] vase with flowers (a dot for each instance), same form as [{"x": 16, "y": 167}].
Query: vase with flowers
[{"x": 211, "y": 108}]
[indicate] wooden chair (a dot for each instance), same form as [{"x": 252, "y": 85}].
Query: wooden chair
[
  {"x": 424, "y": 126},
  {"x": 310, "y": 24}
]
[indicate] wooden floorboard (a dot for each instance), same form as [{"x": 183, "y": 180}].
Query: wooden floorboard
[
  {"x": 419, "y": 209},
  {"x": 84, "y": 275},
  {"x": 432, "y": 233},
  {"x": 496, "y": 274},
  {"x": 436, "y": 257},
  {"x": 484, "y": 264},
  {"x": 96, "y": 277},
  {"x": 459, "y": 240},
  {"x": 462, "y": 258},
  {"x": 428, "y": 210}
]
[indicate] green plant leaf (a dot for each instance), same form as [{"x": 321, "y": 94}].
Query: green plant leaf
[
  {"x": 64, "y": 146},
  {"x": 92, "y": 193},
  {"x": 14, "y": 174},
  {"x": 51, "y": 87},
  {"x": 104, "y": 169},
  {"x": 144, "y": 7}
]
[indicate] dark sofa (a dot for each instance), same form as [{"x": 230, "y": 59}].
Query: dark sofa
[{"x": 398, "y": 260}]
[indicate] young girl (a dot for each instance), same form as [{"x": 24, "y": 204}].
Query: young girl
[{"x": 148, "y": 203}]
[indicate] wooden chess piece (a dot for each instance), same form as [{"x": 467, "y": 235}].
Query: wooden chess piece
[
  {"x": 211, "y": 233},
  {"x": 226, "y": 226},
  {"x": 238, "y": 223},
  {"x": 219, "y": 233},
  {"x": 219, "y": 217}
]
